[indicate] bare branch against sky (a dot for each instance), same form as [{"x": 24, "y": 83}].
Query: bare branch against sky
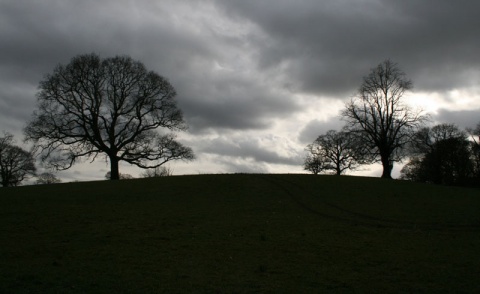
[{"x": 256, "y": 80}]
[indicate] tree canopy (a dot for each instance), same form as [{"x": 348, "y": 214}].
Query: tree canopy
[{"x": 110, "y": 106}]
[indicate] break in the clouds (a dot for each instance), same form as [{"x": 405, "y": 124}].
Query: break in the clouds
[{"x": 256, "y": 80}]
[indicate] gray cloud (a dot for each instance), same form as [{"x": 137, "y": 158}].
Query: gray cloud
[
  {"x": 463, "y": 119},
  {"x": 184, "y": 52},
  {"x": 233, "y": 102},
  {"x": 248, "y": 148},
  {"x": 330, "y": 45},
  {"x": 315, "y": 128}
]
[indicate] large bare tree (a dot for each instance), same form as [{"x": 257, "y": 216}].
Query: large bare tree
[
  {"x": 16, "y": 164},
  {"x": 379, "y": 117},
  {"x": 111, "y": 106}
]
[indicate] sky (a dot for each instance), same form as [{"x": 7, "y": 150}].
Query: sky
[{"x": 257, "y": 80}]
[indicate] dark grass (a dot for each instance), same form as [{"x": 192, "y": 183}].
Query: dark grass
[{"x": 240, "y": 234}]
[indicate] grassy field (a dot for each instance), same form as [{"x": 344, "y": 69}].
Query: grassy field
[{"x": 240, "y": 234}]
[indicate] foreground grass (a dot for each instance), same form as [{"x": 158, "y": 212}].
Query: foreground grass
[{"x": 239, "y": 233}]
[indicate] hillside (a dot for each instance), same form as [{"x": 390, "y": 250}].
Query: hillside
[{"x": 239, "y": 233}]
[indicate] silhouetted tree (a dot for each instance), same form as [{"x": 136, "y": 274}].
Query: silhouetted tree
[
  {"x": 316, "y": 162},
  {"x": 160, "y": 171},
  {"x": 442, "y": 156},
  {"x": 379, "y": 117},
  {"x": 335, "y": 151},
  {"x": 449, "y": 162},
  {"x": 108, "y": 176},
  {"x": 426, "y": 139},
  {"x": 47, "y": 178},
  {"x": 16, "y": 164},
  {"x": 412, "y": 170},
  {"x": 111, "y": 106}
]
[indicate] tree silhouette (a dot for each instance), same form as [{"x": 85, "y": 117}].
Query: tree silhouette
[
  {"x": 380, "y": 118},
  {"x": 316, "y": 162},
  {"x": 16, "y": 164},
  {"x": 111, "y": 106},
  {"x": 160, "y": 171},
  {"x": 47, "y": 178},
  {"x": 442, "y": 155},
  {"x": 334, "y": 151}
]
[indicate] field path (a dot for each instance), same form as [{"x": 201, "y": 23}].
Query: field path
[{"x": 302, "y": 198}]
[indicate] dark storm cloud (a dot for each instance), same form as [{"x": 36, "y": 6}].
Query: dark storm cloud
[
  {"x": 42, "y": 35},
  {"x": 330, "y": 45},
  {"x": 320, "y": 47},
  {"x": 232, "y": 102},
  {"x": 14, "y": 110}
]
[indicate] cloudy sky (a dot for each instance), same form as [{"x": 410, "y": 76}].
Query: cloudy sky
[{"x": 257, "y": 80}]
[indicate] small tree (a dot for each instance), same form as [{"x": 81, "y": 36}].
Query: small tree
[
  {"x": 412, "y": 170},
  {"x": 335, "y": 151},
  {"x": 47, "y": 178},
  {"x": 16, "y": 164},
  {"x": 111, "y": 106},
  {"x": 108, "y": 176},
  {"x": 160, "y": 171},
  {"x": 316, "y": 163},
  {"x": 380, "y": 118}
]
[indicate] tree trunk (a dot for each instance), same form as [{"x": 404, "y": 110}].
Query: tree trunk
[
  {"x": 114, "y": 172},
  {"x": 338, "y": 170},
  {"x": 5, "y": 181},
  {"x": 387, "y": 167}
]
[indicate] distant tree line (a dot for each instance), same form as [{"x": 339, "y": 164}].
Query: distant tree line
[
  {"x": 381, "y": 128},
  {"x": 159, "y": 171}
]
